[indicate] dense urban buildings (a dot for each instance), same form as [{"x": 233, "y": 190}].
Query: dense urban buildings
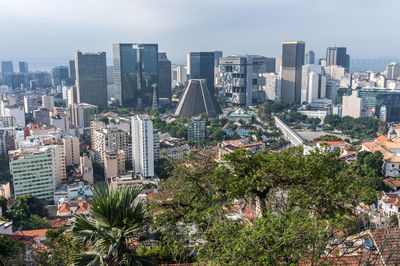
[
  {"x": 135, "y": 73},
  {"x": 91, "y": 78},
  {"x": 292, "y": 63}
]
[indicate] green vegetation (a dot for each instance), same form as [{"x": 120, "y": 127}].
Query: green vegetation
[
  {"x": 9, "y": 249},
  {"x": 176, "y": 128},
  {"x": 98, "y": 172},
  {"x": 27, "y": 213},
  {"x": 114, "y": 229},
  {"x": 60, "y": 249},
  {"x": 320, "y": 192},
  {"x": 362, "y": 128}
]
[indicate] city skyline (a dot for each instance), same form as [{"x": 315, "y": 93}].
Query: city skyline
[{"x": 180, "y": 27}]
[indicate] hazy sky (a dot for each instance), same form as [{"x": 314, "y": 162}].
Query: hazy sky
[{"x": 56, "y": 28}]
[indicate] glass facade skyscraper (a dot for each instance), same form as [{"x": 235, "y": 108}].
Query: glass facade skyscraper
[
  {"x": 91, "y": 78},
  {"x": 292, "y": 63},
  {"x": 202, "y": 67},
  {"x": 135, "y": 73}
]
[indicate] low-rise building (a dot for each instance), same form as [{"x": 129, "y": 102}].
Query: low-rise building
[
  {"x": 389, "y": 203},
  {"x": 229, "y": 146},
  {"x": 390, "y": 150},
  {"x": 173, "y": 149}
]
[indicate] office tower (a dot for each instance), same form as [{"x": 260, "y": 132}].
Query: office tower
[
  {"x": 48, "y": 102},
  {"x": 30, "y": 103},
  {"x": 347, "y": 67},
  {"x": 82, "y": 114},
  {"x": 142, "y": 145},
  {"x": 201, "y": 66},
  {"x": 217, "y": 56},
  {"x": 135, "y": 73},
  {"x": 313, "y": 83},
  {"x": 7, "y": 67},
  {"x": 309, "y": 58},
  {"x": 393, "y": 70},
  {"x": 292, "y": 62},
  {"x": 42, "y": 79},
  {"x": 71, "y": 72},
  {"x": 59, "y": 74},
  {"x": 270, "y": 65},
  {"x": 196, "y": 99},
  {"x": 336, "y": 56},
  {"x": 196, "y": 130},
  {"x": 164, "y": 77},
  {"x": 91, "y": 78},
  {"x": 109, "y": 140},
  {"x": 17, "y": 80},
  {"x": 6, "y": 71},
  {"x": 32, "y": 173},
  {"x": 7, "y": 140},
  {"x": 23, "y": 67},
  {"x": 352, "y": 105},
  {"x": 71, "y": 150},
  {"x": 271, "y": 84},
  {"x": 238, "y": 79}
]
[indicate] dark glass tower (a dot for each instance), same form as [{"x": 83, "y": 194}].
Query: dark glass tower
[
  {"x": 202, "y": 67},
  {"x": 23, "y": 67},
  {"x": 135, "y": 73},
  {"x": 164, "y": 76},
  {"x": 91, "y": 78},
  {"x": 59, "y": 74},
  {"x": 336, "y": 56},
  {"x": 71, "y": 72},
  {"x": 292, "y": 62}
]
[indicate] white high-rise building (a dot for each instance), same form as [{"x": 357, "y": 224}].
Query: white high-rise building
[
  {"x": 313, "y": 83},
  {"x": 48, "y": 102},
  {"x": 17, "y": 112},
  {"x": 393, "y": 70},
  {"x": 142, "y": 145},
  {"x": 30, "y": 103}
]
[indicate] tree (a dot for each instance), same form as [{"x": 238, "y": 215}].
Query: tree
[
  {"x": 114, "y": 229},
  {"x": 60, "y": 249},
  {"x": 300, "y": 202},
  {"x": 9, "y": 248},
  {"x": 28, "y": 212}
]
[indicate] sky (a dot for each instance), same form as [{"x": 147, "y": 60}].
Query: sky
[{"x": 53, "y": 29}]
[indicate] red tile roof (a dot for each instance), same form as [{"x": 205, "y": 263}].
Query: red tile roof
[
  {"x": 27, "y": 240},
  {"x": 82, "y": 207},
  {"x": 382, "y": 138},
  {"x": 32, "y": 233},
  {"x": 65, "y": 207},
  {"x": 392, "y": 182},
  {"x": 332, "y": 143}
]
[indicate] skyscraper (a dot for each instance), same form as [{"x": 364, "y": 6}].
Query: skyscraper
[
  {"x": 6, "y": 71},
  {"x": 23, "y": 67},
  {"x": 201, "y": 65},
  {"x": 336, "y": 56},
  {"x": 393, "y": 70},
  {"x": 91, "y": 78},
  {"x": 7, "y": 67},
  {"x": 59, "y": 74},
  {"x": 309, "y": 58},
  {"x": 164, "y": 76},
  {"x": 292, "y": 62},
  {"x": 217, "y": 56},
  {"x": 135, "y": 73},
  {"x": 142, "y": 145},
  {"x": 71, "y": 72}
]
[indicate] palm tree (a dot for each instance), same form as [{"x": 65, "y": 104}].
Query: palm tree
[{"x": 114, "y": 228}]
